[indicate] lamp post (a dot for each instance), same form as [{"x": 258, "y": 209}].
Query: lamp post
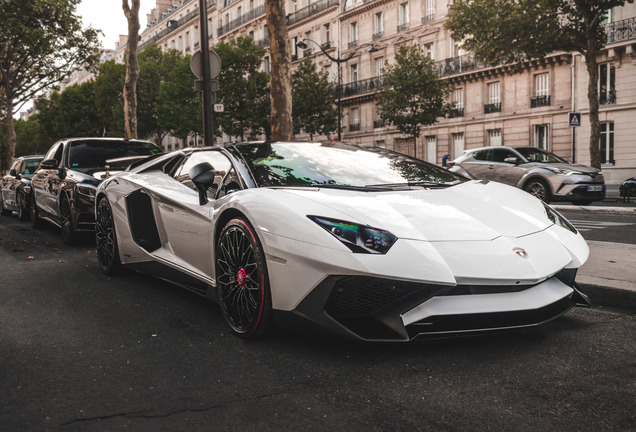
[{"x": 303, "y": 45}]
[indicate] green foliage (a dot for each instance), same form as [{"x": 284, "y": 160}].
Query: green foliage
[
  {"x": 28, "y": 135},
  {"x": 178, "y": 108},
  {"x": 109, "y": 96},
  {"x": 313, "y": 100},
  {"x": 415, "y": 95},
  {"x": 242, "y": 89}
]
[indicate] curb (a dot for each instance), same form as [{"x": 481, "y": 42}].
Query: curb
[{"x": 609, "y": 296}]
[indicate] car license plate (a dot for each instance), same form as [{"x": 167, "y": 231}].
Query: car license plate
[{"x": 594, "y": 188}]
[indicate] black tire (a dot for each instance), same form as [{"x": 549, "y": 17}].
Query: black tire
[
  {"x": 36, "y": 222},
  {"x": 106, "y": 238},
  {"x": 3, "y": 211},
  {"x": 68, "y": 231},
  {"x": 242, "y": 281},
  {"x": 538, "y": 188},
  {"x": 24, "y": 211}
]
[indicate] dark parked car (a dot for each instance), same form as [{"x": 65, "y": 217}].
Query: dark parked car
[
  {"x": 15, "y": 188},
  {"x": 538, "y": 172},
  {"x": 628, "y": 188},
  {"x": 63, "y": 188}
]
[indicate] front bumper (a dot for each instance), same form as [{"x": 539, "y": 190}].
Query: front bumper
[{"x": 374, "y": 309}]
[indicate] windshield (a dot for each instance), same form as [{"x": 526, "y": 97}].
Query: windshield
[
  {"x": 537, "y": 155},
  {"x": 306, "y": 164},
  {"x": 30, "y": 165},
  {"x": 94, "y": 153}
]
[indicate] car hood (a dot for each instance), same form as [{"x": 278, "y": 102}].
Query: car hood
[
  {"x": 573, "y": 167},
  {"x": 472, "y": 211}
]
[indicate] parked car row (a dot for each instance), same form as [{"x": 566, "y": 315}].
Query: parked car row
[
  {"x": 365, "y": 242},
  {"x": 15, "y": 188}
]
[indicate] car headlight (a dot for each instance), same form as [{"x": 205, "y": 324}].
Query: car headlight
[
  {"x": 358, "y": 238},
  {"x": 557, "y": 219},
  {"x": 87, "y": 190},
  {"x": 563, "y": 171}
]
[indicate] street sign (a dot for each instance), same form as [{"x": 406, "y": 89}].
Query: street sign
[
  {"x": 575, "y": 119},
  {"x": 219, "y": 108},
  {"x": 196, "y": 60}
]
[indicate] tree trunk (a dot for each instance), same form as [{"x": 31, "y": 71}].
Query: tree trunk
[
  {"x": 280, "y": 81},
  {"x": 10, "y": 132},
  {"x": 132, "y": 69}
]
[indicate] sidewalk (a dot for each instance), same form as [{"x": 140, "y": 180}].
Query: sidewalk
[{"x": 609, "y": 275}]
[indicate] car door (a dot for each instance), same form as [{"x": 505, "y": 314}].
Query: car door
[
  {"x": 185, "y": 222},
  {"x": 477, "y": 164},
  {"x": 9, "y": 183},
  {"x": 46, "y": 183},
  {"x": 506, "y": 171}
]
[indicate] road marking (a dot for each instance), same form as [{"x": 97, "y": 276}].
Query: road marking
[{"x": 587, "y": 225}]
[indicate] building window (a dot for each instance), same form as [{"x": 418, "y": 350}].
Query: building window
[
  {"x": 494, "y": 102},
  {"x": 458, "y": 103},
  {"x": 403, "y": 23},
  {"x": 494, "y": 137},
  {"x": 606, "y": 84},
  {"x": 431, "y": 149},
  {"x": 429, "y": 50},
  {"x": 266, "y": 65},
  {"x": 354, "y": 124},
  {"x": 541, "y": 91},
  {"x": 458, "y": 144},
  {"x": 430, "y": 11},
  {"x": 294, "y": 48},
  {"x": 607, "y": 143},
  {"x": 541, "y": 136},
  {"x": 326, "y": 34},
  {"x": 379, "y": 66},
  {"x": 353, "y": 34},
  {"x": 378, "y": 26},
  {"x": 353, "y": 74},
  {"x": 454, "y": 48}
]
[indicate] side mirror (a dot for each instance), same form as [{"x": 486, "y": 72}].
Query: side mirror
[
  {"x": 13, "y": 173},
  {"x": 202, "y": 175},
  {"x": 48, "y": 164},
  {"x": 512, "y": 160}
]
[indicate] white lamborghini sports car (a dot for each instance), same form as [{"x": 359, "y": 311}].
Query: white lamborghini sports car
[{"x": 362, "y": 241}]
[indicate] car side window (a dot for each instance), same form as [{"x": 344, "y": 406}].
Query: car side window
[
  {"x": 481, "y": 155},
  {"x": 56, "y": 153},
  {"x": 218, "y": 160},
  {"x": 499, "y": 155},
  {"x": 16, "y": 166}
]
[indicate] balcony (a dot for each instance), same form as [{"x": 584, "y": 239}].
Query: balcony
[
  {"x": 355, "y": 127},
  {"x": 353, "y": 44},
  {"x": 456, "y": 112},
  {"x": 492, "y": 108},
  {"x": 363, "y": 86},
  {"x": 325, "y": 45},
  {"x": 428, "y": 19},
  {"x": 378, "y": 35},
  {"x": 607, "y": 98},
  {"x": 246, "y": 17},
  {"x": 403, "y": 27},
  {"x": 378, "y": 124},
  {"x": 455, "y": 65},
  {"x": 310, "y": 10},
  {"x": 307, "y": 52},
  {"x": 621, "y": 30},
  {"x": 539, "y": 101}
]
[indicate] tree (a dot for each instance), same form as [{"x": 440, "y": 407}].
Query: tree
[
  {"x": 281, "y": 73},
  {"x": 132, "y": 68},
  {"x": 242, "y": 89},
  {"x": 41, "y": 42},
  {"x": 414, "y": 96},
  {"x": 178, "y": 109},
  {"x": 313, "y": 100},
  {"x": 511, "y": 31},
  {"x": 109, "y": 93},
  {"x": 155, "y": 68}
]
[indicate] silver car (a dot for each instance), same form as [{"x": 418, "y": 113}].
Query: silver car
[{"x": 538, "y": 172}]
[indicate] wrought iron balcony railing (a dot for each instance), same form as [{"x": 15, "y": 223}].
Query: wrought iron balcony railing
[
  {"x": 492, "y": 108},
  {"x": 377, "y": 124},
  {"x": 310, "y": 10},
  {"x": 403, "y": 27},
  {"x": 235, "y": 23},
  {"x": 428, "y": 19},
  {"x": 353, "y": 44},
  {"x": 539, "y": 101},
  {"x": 455, "y": 65},
  {"x": 456, "y": 112},
  {"x": 621, "y": 30},
  {"x": 355, "y": 127},
  {"x": 378, "y": 35},
  {"x": 607, "y": 98},
  {"x": 363, "y": 86}
]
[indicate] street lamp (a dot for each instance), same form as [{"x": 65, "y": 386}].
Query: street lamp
[{"x": 303, "y": 45}]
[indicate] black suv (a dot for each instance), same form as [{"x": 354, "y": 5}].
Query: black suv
[{"x": 63, "y": 188}]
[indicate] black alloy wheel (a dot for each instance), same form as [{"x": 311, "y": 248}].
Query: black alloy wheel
[
  {"x": 105, "y": 238},
  {"x": 242, "y": 282},
  {"x": 539, "y": 189},
  {"x": 68, "y": 232}
]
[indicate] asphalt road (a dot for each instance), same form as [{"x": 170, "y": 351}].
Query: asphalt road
[
  {"x": 615, "y": 228},
  {"x": 80, "y": 351}
]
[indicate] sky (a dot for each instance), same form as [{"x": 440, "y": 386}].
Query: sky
[{"x": 108, "y": 16}]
